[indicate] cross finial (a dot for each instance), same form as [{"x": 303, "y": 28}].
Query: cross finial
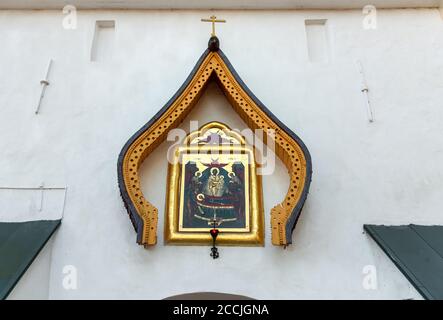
[{"x": 213, "y": 19}]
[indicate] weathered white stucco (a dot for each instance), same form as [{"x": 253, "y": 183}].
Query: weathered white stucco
[{"x": 386, "y": 172}]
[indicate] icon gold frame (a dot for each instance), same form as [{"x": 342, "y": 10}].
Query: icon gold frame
[{"x": 253, "y": 233}]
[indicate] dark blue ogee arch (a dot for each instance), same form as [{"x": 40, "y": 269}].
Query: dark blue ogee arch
[{"x": 214, "y": 46}]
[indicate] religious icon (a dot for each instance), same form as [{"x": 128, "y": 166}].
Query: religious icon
[
  {"x": 213, "y": 184},
  {"x": 214, "y": 192}
]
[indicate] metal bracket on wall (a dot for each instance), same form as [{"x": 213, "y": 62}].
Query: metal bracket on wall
[
  {"x": 44, "y": 83},
  {"x": 365, "y": 91},
  {"x": 42, "y": 188}
]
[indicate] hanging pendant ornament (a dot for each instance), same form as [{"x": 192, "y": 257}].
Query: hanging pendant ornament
[{"x": 214, "y": 250}]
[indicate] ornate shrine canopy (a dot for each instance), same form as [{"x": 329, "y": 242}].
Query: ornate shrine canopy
[{"x": 213, "y": 65}]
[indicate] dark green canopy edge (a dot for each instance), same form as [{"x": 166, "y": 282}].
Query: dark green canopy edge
[
  {"x": 417, "y": 251},
  {"x": 20, "y": 243}
]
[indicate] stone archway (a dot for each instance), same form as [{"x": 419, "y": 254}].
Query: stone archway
[{"x": 208, "y": 296}]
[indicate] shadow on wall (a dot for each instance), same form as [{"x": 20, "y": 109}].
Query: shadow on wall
[{"x": 208, "y": 296}]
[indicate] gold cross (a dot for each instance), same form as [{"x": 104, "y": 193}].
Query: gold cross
[{"x": 213, "y": 19}]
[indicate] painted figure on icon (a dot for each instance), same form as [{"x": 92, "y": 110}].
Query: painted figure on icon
[{"x": 214, "y": 193}]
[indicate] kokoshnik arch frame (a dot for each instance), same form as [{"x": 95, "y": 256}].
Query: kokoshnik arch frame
[{"x": 214, "y": 66}]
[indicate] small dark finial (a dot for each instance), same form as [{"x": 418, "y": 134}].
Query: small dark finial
[
  {"x": 213, "y": 44},
  {"x": 214, "y": 233}
]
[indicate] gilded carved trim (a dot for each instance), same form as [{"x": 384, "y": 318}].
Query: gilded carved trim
[
  {"x": 253, "y": 232},
  {"x": 214, "y": 66}
]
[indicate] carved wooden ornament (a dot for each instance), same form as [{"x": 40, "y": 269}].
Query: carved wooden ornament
[{"x": 214, "y": 66}]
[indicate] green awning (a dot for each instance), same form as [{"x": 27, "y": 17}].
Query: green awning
[
  {"x": 417, "y": 251},
  {"x": 20, "y": 243}
]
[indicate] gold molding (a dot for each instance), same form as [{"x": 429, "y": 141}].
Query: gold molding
[{"x": 253, "y": 233}]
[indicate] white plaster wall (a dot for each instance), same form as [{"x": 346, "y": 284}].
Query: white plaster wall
[
  {"x": 386, "y": 172},
  {"x": 213, "y": 4}
]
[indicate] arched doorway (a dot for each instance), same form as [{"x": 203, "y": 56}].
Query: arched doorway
[{"x": 208, "y": 296}]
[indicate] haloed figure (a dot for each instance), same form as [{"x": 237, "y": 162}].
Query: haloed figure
[{"x": 215, "y": 194}]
